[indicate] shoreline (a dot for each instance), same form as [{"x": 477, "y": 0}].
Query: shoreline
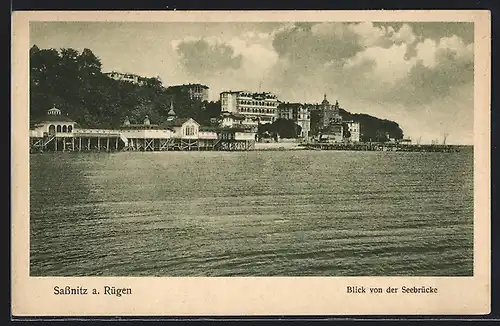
[{"x": 277, "y": 148}]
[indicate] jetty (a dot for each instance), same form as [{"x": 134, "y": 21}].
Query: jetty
[{"x": 385, "y": 147}]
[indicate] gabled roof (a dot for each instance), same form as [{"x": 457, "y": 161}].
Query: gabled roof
[
  {"x": 232, "y": 115},
  {"x": 209, "y": 128},
  {"x": 187, "y": 86},
  {"x": 177, "y": 122},
  {"x": 235, "y": 129},
  {"x": 290, "y": 105},
  {"x": 139, "y": 126}
]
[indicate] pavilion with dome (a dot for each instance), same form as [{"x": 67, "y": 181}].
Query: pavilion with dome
[{"x": 53, "y": 123}]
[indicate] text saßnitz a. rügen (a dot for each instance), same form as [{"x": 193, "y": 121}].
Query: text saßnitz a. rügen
[{"x": 79, "y": 290}]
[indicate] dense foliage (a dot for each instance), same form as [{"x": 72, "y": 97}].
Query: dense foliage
[
  {"x": 284, "y": 128},
  {"x": 374, "y": 129},
  {"x": 73, "y": 82}
]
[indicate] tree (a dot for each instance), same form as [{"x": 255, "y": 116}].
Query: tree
[
  {"x": 43, "y": 90},
  {"x": 286, "y": 128},
  {"x": 74, "y": 83},
  {"x": 316, "y": 122},
  {"x": 373, "y": 128}
]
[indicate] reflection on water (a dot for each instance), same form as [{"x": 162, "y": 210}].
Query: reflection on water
[{"x": 284, "y": 213}]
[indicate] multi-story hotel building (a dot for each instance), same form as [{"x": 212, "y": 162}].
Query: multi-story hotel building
[
  {"x": 131, "y": 78},
  {"x": 193, "y": 92},
  {"x": 299, "y": 113},
  {"x": 248, "y": 109}
]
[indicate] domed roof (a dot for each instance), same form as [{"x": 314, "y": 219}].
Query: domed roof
[
  {"x": 325, "y": 101},
  {"x": 54, "y": 115},
  {"x": 171, "y": 112},
  {"x": 54, "y": 111}
]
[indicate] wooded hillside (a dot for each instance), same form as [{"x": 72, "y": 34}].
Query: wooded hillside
[{"x": 74, "y": 82}]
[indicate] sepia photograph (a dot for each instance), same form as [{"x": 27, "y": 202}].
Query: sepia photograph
[{"x": 241, "y": 149}]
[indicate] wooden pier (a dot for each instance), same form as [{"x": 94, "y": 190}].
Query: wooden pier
[
  {"x": 170, "y": 144},
  {"x": 112, "y": 141},
  {"x": 385, "y": 147},
  {"x": 58, "y": 133},
  {"x": 93, "y": 140}
]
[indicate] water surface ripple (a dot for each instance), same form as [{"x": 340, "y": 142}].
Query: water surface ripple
[{"x": 289, "y": 213}]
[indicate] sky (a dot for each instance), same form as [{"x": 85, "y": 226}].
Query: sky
[{"x": 418, "y": 74}]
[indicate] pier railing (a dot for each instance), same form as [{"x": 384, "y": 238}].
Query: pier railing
[{"x": 104, "y": 132}]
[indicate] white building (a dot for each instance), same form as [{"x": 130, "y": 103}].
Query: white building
[
  {"x": 185, "y": 128},
  {"x": 131, "y": 78},
  {"x": 354, "y": 130},
  {"x": 193, "y": 92},
  {"x": 146, "y": 130},
  {"x": 180, "y": 128},
  {"x": 304, "y": 121},
  {"x": 299, "y": 113},
  {"x": 251, "y": 107},
  {"x": 53, "y": 124}
]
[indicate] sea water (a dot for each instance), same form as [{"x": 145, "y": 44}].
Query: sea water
[{"x": 285, "y": 213}]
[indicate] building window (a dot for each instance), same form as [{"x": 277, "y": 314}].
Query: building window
[
  {"x": 70, "y": 128},
  {"x": 58, "y": 129},
  {"x": 64, "y": 129},
  {"x": 189, "y": 131},
  {"x": 52, "y": 129}
]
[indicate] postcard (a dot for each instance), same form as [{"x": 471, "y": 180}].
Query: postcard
[{"x": 246, "y": 163}]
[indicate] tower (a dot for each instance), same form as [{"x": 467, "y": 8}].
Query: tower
[
  {"x": 171, "y": 113},
  {"x": 336, "y": 112},
  {"x": 326, "y": 110}
]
